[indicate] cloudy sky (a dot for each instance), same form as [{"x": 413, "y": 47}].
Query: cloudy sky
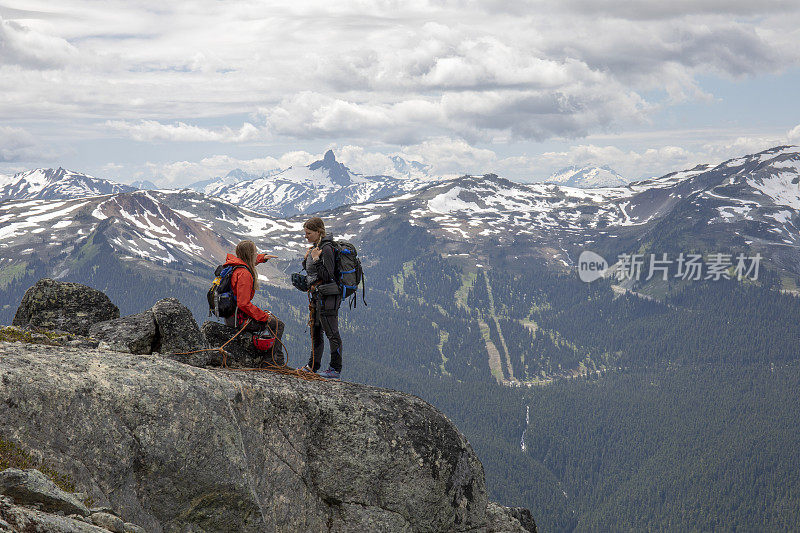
[{"x": 184, "y": 90}]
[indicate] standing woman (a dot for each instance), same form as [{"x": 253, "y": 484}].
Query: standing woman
[
  {"x": 244, "y": 284},
  {"x": 325, "y": 297}
]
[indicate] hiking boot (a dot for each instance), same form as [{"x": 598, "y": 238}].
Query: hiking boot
[
  {"x": 331, "y": 374},
  {"x": 306, "y": 369}
]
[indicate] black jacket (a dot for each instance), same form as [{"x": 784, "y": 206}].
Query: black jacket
[{"x": 325, "y": 267}]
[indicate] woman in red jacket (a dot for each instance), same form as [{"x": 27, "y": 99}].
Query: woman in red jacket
[{"x": 244, "y": 283}]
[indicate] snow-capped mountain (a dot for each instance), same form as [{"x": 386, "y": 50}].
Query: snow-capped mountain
[
  {"x": 55, "y": 184},
  {"x": 324, "y": 184},
  {"x": 234, "y": 176},
  {"x": 587, "y": 177},
  {"x": 411, "y": 169},
  {"x": 747, "y": 204}
]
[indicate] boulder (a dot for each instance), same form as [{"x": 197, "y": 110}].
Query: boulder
[
  {"x": 32, "y": 487},
  {"x": 178, "y": 448},
  {"x": 503, "y": 519},
  {"x": 108, "y": 521},
  {"x": 132, "y": 334},
  {"x": 58, "y": 305},
  {"x": 16, "y": 518},
  {"x": 133, "y": 528},
  {"x": 177, "y": 328},
  {"x": 241, "y": 352}
]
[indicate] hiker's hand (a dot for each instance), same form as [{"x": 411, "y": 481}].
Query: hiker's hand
[{"x": 315, "y": 253}]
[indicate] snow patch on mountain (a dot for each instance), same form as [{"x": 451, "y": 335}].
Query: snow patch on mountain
[
  {"x": 144, "y": 185},
  {"x": 780, "y": 188},
  {"x": 449, "y": 201}
]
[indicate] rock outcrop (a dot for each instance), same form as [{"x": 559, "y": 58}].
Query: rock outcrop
[
  {"x": 179, "y": 448},
  {"x": 58, "y": 305},
  {"x": 166, "y": 328},
  {"x": 175, "y": 446},
  {"x": 177, "y": 328},
  {"x": 135, "y": 334},
  {"x": 16, "y": 517},
  {"x": 32, "y": 487}
]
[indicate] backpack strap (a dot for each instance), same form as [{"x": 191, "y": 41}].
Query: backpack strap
[
  {"x": 363, "y": 284},
  {"x": 335, "y": 275}
]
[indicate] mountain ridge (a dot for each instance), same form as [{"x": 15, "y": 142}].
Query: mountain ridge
[
  {"x": 56, "y": 184},
  {"x": 749, "y": 202}
]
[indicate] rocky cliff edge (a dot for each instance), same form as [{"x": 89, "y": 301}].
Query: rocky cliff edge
[{"x": 173, "y": 447}]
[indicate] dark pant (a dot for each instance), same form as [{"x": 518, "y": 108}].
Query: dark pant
[
  {"x": 273, "y": 326},
  {"x": 326, "y": 319}
]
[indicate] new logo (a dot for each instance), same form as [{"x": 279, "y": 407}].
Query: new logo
[{"x": 591, "y": 266}]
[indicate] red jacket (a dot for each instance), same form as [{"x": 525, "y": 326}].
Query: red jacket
[{"x": 242, "y": 285}]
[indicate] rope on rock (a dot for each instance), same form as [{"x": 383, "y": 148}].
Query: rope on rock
[{"x": 269, "y": 367}]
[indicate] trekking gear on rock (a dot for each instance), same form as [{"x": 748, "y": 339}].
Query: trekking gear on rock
[
  {"x": 221, "y": 299},
  {"x": 263, "y": 341}
]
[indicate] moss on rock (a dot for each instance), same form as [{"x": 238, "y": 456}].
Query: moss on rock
[{"x": 14, "y": 456}]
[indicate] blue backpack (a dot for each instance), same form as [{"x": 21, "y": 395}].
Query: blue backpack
[
  {"x": 221, "y": 299},
  {"x": 350, "y": 273}
]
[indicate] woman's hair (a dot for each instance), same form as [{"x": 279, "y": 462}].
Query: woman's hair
[
  {"x": 246, "y": 251},
  {"x": 315, "y": 224}
]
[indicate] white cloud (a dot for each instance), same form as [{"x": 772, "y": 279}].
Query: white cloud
[
  {"x": 205, "y": 58},
  {"x": 150, "y": 130},
  {"x": 646, "y": 161},
  {"x": 25, "y": 47},
  {"x": 451, "y": 156},
  {"x": 633, "y": 164},
  {"x": 354, "y": 73},
  {"x": 793, "y": 136},
  {"x": 17, "y": 144}
]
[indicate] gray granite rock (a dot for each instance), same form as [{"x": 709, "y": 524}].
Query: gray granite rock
[
  {"x": 132, "y": 334},
  {"x": 108, "y": 521},
  {"x": 32, "y": 487},
  {"x": 58, "y": 305},
  {"x": 16, "y": 519},
  {"x": 176, "y": 327},
  {"x": 133, "y": 528},
  {"x": 509, "y": 519},
  {"x": 177, "y": 448}
]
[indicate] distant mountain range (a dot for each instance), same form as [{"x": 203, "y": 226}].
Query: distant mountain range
[
  {"x": 324, "y": 184},
  {"x": 750, "y": 204},
  {"x": 587, "y": 177}
]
